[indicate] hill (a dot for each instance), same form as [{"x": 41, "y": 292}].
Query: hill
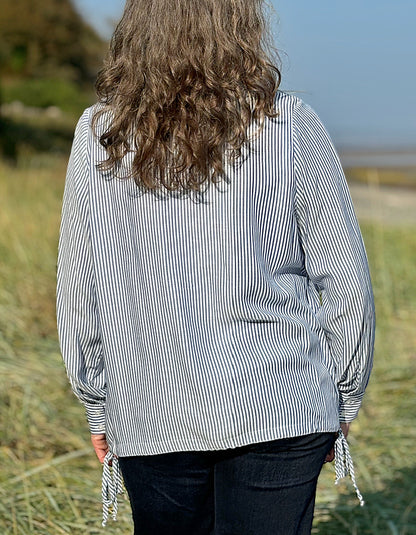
[{"x": 47, "y": 39}]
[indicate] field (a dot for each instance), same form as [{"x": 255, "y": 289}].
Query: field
[{"x": 50, "y": 479}]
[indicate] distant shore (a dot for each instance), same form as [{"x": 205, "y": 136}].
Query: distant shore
[{"x": 378, "y": 158}]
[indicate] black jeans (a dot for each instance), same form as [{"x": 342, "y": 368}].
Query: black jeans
[{"x": 261, "y": 489}]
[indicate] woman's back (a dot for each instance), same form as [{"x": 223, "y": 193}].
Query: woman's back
[{"x": 209, "y": 321}]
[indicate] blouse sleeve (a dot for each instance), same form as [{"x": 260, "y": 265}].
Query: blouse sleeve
[
  {"x": 335, "y": 258},
  {"x": 77, "y": 317}
]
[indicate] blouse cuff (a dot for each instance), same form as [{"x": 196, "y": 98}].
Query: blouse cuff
[
  {"x": 96, "y": 418},
  {"x": 348, "y": 408}
]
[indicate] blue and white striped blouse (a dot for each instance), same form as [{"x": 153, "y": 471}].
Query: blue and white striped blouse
[{"x": 200, "y": 324}]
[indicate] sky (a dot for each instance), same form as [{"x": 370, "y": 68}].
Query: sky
[{"x": 354, "y": 62}]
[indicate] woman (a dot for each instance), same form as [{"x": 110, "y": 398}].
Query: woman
[{"x": 214, "y": 303}]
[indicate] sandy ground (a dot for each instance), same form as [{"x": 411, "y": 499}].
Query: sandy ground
[{"x": 389, "y": 205}]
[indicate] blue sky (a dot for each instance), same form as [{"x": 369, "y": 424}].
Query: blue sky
[{"x": 354, "y": 62}]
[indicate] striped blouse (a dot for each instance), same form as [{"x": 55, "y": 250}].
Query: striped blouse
[{"x": 242, "y": 315}]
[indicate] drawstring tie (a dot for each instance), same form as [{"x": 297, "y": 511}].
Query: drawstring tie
[
  {"x": 344, "y": 464},
  {"x": 112, "y": 486}
]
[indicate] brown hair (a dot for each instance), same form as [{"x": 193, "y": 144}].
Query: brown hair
[{"x": 183, "y": 81}]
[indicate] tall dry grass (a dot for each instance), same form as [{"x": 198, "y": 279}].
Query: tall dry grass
[{"x": 50, "y": 480}]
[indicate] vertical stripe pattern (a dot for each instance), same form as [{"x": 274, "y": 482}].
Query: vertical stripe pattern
[{"x": 242, "y": 316}]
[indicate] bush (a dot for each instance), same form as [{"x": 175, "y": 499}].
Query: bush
[{"x": 45, "y": 92}]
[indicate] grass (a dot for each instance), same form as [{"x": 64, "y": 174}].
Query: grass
[{"x": 50, "y": 480}]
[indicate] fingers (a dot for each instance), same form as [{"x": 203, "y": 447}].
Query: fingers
[
  {"x": 101, "y": 455},
  {"x": 100, "y": 445},
  {"x": 330, "y": 457}
]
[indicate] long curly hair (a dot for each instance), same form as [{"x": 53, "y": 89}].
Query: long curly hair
[{"x": 182, "y": 83}]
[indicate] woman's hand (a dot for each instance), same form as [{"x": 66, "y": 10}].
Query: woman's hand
[
  {"x": 100, "y": 446},
  {"x": 331, "y": 455}
]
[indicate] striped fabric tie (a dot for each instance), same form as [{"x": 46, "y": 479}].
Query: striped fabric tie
[
  {"x": 112, "y": 485},
  {"x": 344, "y": 464}
]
